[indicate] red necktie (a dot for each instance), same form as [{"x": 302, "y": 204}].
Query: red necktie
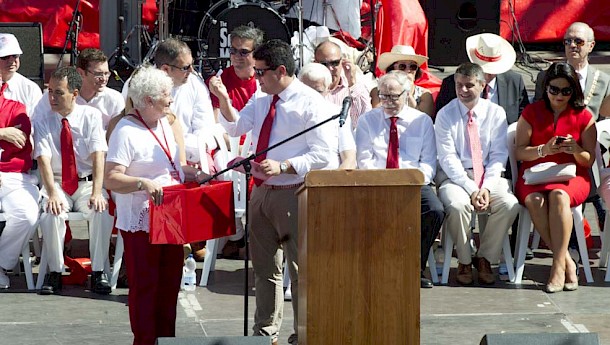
[
  {"x": 4, "y": 87},
  {"x": 392, "y": 160},
  {"x": 265, "y": 134},
  {"x": 475, "y": 150},
  {"x": 69, "y": 177},
  {"x": 486, "y": 91}
]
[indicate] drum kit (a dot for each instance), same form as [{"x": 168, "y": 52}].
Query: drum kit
[{"x": 205, "y": 26}]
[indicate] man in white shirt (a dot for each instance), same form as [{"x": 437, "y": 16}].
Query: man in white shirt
[
  {"x": 318, "y": 78},
  {"x": 472, "y": 152},
  {"x": 93, "y": 68},
  {"x": 89, "y": 146},
  {"x": 16, "y": 86},
  {"x": 283, "y": 107},
  {"x": 416, "y": 150}
]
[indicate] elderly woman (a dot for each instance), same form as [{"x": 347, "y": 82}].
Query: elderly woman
[
  {"x": 557, "y": 129},
  {"x": 143, "y": 158},
  {"x": 396, "y": 136},
  {"x": 403, "y": 58}
]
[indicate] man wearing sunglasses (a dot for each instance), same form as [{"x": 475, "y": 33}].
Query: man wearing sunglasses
[
  {"x": 241, "y": 85},
  {"x": 283, "y": 107},
  {"x": 578, "y": 42},
  {"x": 502, "y": 86},
  {"x": 344, "y": 82},
  {"x": 15, "y": 86}
]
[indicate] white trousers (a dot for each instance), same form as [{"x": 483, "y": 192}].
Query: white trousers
[
  {"x": 54, "y": 227},
  {"x": 19, "y": 197}
]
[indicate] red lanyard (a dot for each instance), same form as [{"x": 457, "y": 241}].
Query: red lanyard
[{"x": 164, "y": 148}]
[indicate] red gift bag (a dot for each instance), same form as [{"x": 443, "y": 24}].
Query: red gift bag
[{"x": 193, "y": 213}]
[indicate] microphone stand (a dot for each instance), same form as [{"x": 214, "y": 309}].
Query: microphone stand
[
  {"x": 246, "y": 163},
  {"x": 72, "y": 36}
]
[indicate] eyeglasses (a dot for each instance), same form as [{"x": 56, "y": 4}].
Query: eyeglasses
[
  {"x": 261, "y": 71},
  {"x": 16, "y": 56},
  {"x": 404, "y": 66},
  {"x": 241, "y": 52},
  {"x": 579, "y": 42},
  {"x": 186, "y": 68},
  {"x": 100, "y": 75},
  {"x": 328, "y": 64},
  {"x": 554, "y": 90},
  {"x": 385, "y": 97}
]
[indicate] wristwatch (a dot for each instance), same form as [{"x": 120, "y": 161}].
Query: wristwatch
[
  {"x": 197, "y": 174},
  {"x": 139, "y": 184},
  {"x": 283, "y": 167}
]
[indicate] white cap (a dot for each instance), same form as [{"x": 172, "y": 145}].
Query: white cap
[{"x": 9, "y": 45}]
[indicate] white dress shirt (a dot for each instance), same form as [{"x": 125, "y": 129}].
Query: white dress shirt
[
  {"x": 453, "y": 144},
  {"x": 109, "y": 102},
  {"x": 299, "y": 107},
  {"x": 342, "y": 139},
  {"x": 87, "y": 136},
  {"x": 23, "y": 90},
  {"x": 582, "y": 78},
  {"x": 416, "y": 147}
]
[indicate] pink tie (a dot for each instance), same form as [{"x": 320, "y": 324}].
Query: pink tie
[
  {"x": 392, "y": 160},
  {"x": 475, "y": 150},
  {"x": 265, "y": 134}
]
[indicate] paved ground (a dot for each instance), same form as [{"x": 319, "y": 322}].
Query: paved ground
[{"x": 449, "y": 314}]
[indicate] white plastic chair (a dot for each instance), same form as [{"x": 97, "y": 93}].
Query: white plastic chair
[
  {"x": 603, "y": 139},
  {"x": 44, "y": 266},
  {"x": 526, "y": 225},
  {"x": 239, "y": 196}
]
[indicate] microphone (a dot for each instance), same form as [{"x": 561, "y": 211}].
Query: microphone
[{"x": 347, "y": 103}]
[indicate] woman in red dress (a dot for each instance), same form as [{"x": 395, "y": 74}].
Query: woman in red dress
[{"x": 558, "y": 129}]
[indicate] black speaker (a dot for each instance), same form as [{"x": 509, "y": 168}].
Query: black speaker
[
  {"x": 29, "y": 36},
  {"x": 450, "y": 22},
  {"x": 215, "y": 341},
  {"x": 541, "y": 339}
]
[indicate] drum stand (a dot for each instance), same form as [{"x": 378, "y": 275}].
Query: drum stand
[{"x": 72, "y": 36}]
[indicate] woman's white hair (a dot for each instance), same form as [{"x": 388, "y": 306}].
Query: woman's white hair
[
  {"x": 314, "y": 71},
  {"x": 150, "y": 82},
  {"x": 400, "y": 77}
]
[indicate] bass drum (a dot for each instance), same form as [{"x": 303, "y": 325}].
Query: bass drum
[{"x": 223, "y": 17}]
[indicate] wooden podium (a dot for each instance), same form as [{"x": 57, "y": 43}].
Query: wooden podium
[{"x": 359, "y": 254}]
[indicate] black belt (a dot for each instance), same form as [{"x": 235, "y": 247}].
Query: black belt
[{"x": 86, "y": 178}]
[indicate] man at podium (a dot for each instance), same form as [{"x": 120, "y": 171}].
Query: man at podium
[
  {"x": 396, "y": 136},
  {"x": 472, "y": 152},
  {"x": 282, "y": 107}
]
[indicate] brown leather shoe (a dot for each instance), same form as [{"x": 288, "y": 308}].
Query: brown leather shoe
[
  {"x": 486, "y": 275},
  {"x": 464, "y": 275}
]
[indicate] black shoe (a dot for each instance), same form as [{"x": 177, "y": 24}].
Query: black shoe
[
  {"x": 99, "y": 283},
  {"x": 53, "y": 284},
  {"x": 529, "y": 254},
  {"x": 425, "y": 283}
]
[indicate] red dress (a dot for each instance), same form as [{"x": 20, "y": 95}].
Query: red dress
[{"x": 570, "y": 121}]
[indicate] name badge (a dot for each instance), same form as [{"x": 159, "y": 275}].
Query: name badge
[{"x": 175, "y": 175}]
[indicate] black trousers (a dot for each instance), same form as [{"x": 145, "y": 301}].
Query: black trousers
[{"x": 432, "y": 216}]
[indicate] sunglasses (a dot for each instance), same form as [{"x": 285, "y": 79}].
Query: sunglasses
[
  {"x": 333, "y": 63},
  {"x": 99, "y": 75},
  {"x": 186, "y": 68},
  {"x": 554, "y": 90},
  {"x": 241, "y": 52},
  {"x": 385, "y": 97},
  {"x": 16, "y": 56},
  {"x": 406, "y": 66},
  {"x": 579, "y": 42},
  {"x": 261, "y": 71}
]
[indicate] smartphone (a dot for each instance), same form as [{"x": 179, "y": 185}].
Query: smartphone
[{"x": 560, "y": 140}]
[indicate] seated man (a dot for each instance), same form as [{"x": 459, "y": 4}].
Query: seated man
[
  {"x": 472, "y": 152},
  {"x": 18, "y": 192},
  {"x": 70, "y": 147},
  {"x": 395, "y": 136}
]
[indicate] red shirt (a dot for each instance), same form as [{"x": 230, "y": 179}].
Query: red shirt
[
  {"x": 14, "y": 159},
  {"x": 239, "y": 90}
]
